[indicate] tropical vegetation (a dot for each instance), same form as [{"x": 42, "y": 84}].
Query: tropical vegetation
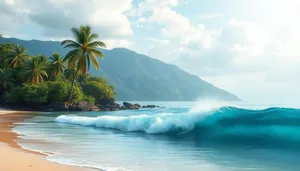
[
  {"x": 36, "y": 80},
  {"x": 83, "y": 52}
]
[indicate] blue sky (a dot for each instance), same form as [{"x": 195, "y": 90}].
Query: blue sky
[{"x": 250, "y": 48}]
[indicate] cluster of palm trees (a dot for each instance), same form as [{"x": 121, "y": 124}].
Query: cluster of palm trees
[{"x": 18, "y": 67}]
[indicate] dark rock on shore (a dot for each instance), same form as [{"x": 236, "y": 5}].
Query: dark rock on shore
[
  {"x": 56, "y": 106},
  {"x": 109, "y": 107},
  {"x": 79, "y": 106},
  {"x": 83, "y": 106},
  {"x": 125, "y": 106},
  {"x": 131, "y": 106},
  {"x": 150, "y": 106},
  {"x": 137, "y": 105},
  {"x": 128, "y": 105}
]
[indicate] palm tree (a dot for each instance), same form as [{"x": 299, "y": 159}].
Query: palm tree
[
  {"x": 16, "y": 55},
  {"x": 34, "y": 71},
  {"x": 69, "y": 74},
  {"x": 84, "y": 51},
  {"x": 86, "y": 78},
  {"x": 57, "y": 66},
  {"x": 3, "y": 55},
  {"x": 43, "y": 58},
  {"x": 6, "y": 79}
]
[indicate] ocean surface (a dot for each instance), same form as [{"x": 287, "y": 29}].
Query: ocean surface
[{"x": 183, "y": 136}]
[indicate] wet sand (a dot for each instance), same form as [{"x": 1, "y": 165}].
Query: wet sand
[{"x": 14, "y": 158}]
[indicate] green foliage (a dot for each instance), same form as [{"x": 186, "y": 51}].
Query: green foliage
[
  {"x": 57, "y": 66},
  {"x": 51, "y": 91},
  {"x": 42, "y": 58},
  {"x": 16, "y": 56},
  {"x": 6, "y": 79},
  {"x": 77, "y": 94},
  {"x": 70, "y": 74},
  {"x": 38, "y": 79},
  {"x": 58, "y": 91},
  {"x": 89, "y": 99},
  {"x": 34, "y": 70},
  {"x": 98, "y": 79},
  {"x": 34, "y": 94},
  {"x": 13, "y": 96},
  {"x": 4, "y": 50},
  {"x": 102, "y": 92},
  {"x": 84, "y": 51}
]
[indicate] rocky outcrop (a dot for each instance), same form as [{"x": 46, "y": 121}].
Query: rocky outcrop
[
  {"x": 109, "y": 107},
  {"x": 83, "y": 106},
  {"x": 131, "y": 106},
  {"x": 125, "y": 106},
  {"x": 79, "y": 106},
  {"x": 137, "y": 105},
  {"x": 56, "y": 106},
  {"x": 128, "y": 105}
]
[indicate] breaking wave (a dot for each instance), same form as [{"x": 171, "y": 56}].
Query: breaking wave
[{"x": 271, "y": 126}]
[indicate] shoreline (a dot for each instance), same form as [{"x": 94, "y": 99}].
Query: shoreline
[
  {"x": 15, "y": 158},
  {"x": 81, "y": 106}
]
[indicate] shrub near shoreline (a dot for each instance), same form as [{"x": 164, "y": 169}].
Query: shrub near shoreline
[
  {"x": 57, "y": 91},
  {"x": 54, "y": 91}
]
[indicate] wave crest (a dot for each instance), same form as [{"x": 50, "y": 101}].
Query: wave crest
[
  {"x": 159, "y": 123},
  {"x": 270, "y": 126}
]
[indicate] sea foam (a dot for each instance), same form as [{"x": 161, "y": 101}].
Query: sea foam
[
  {"x": 277, "y": 126},
  {"x": 158, "y": 123}
]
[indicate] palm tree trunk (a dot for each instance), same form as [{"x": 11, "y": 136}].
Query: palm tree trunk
[{"x": 72, "y": 86}]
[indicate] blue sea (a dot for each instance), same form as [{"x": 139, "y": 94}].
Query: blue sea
[{"x": 183, "y": 136}]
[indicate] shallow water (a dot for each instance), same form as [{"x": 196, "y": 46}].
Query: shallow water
[{"x": 186, "y": 136}]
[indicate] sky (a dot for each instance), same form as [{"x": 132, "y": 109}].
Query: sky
[{"x": 248, "y": 47}]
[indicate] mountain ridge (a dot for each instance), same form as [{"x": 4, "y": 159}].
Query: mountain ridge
[{"x": 136, "y": 76}]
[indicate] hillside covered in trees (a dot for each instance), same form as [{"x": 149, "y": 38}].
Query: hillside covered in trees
[
  {"x": 34, "y": 80},
  {"x": 135, "y": 76}
]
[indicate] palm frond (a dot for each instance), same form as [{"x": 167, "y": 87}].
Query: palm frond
[
  {"x": 97, "y": 44},
  {"x": 88, "y": 61},
  {"x": 82, "y": 63},
  {"x": 70, "y": 55},
  {"x": 97, "y": 53},
  {"x": 94, "y": 59},
  {"x": 78, "y": 35},
  {"x": 34, "y": 70},
  {"x": 93, "y": 37},
  {"x": 70, "y": 43}
]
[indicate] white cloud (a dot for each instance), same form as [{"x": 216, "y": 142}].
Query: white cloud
[
  {"x": 142, "y": 20},
  {"x": 114, "y": 43},
  {"x": 150, "y": 46},
  {"x": 179, "y": 28},
  {"x": 208, "y": 16},
  {"x": 161, "y": 41},
  {"x": 107, "y": 18},
  {"x": 238, "y": 48},
  {"x": 244, "y": 58},
  {"x": 9, "y": 2},
  {"x": 255, "y": 37},
  {"x": 150, "y": 5}
]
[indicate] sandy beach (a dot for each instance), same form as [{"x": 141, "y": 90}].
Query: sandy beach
[{"x": 14, "y": 158}]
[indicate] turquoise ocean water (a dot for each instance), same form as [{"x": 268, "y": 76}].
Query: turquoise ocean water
[{"x": 183, "y": 136}]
